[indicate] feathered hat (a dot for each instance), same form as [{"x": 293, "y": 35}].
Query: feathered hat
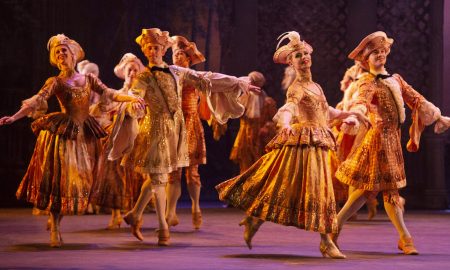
[
  {"x": 295, "y": 43},
  {"x": 60, "y": 39}
]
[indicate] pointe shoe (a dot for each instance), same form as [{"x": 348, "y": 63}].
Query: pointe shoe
[
  {"x": 163, "y": 237},
  {"x": 407, "y": 246},
  {"x": 55, "y": 239},
  {"x": 250, "y": 230},
  {"x": 330, "y": 250},
  {"x": 174, "y": 221},
  {"x": 115, "y": 223},
  {"x": 135, "y": 224},
  {"x": 197, "y": 220}
]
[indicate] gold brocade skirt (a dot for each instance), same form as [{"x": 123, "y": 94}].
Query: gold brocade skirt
[
  {"x": 195, "y": 139},
  {"x": 60, "y": 174},
  {"x": 291, "y": 186},
  {"x": 377, "y": 163}
]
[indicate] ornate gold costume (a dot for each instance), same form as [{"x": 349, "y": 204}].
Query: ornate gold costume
[
  {"x": 161, "y": 140},
  {"x": 377, "y": 163},
  {"x": 291, "y": 184},
  {"x": 194, "y": 127},
  {"x": 60, "y": 174}
]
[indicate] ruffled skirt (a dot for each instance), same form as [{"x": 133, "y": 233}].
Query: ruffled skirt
[
  {"x": 60, "y": 174},
  {"x": 290, "y": 185}
]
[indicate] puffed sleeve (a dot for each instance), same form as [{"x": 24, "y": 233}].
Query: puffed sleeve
[
  {"x": 221, "y": 91},
  {"x": 38, "y": 102},
  {"x": 106, "y": 94},
  {"x": 424, "y": 113},
  {"x": 290, "y": 109}
]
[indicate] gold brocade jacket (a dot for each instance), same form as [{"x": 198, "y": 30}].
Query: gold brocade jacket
[{"x": 160, "y": 145}]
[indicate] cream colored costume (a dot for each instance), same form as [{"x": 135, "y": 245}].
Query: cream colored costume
[{"x": 160, "y": 146}]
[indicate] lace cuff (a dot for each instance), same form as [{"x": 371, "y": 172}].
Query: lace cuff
[{"x": 428, "y": 113}]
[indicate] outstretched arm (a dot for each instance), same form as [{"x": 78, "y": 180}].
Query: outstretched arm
[
  {"x": 349, "y": 117},
  {"x": 24, "y": 111}
]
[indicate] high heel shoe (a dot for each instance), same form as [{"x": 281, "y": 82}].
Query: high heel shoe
[
  {"x": 55, "y": 239},
  {"x": 163, "y": 237},
  {"x": 330, "y": 250},
  {"x": 115, "y": 223},
  {"x": 407, "y": 246},
  {"x": 135, "y": 224},
  {"x": 250, "y": 229},
  {"x": 197, "y": 220}
]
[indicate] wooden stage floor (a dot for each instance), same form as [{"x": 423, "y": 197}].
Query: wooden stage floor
[{"x": 218, "y": 244}]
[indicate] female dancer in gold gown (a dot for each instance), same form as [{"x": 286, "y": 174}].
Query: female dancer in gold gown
[
  {"x": 61, "y": 171},
  {"x": 292, "y": 185}
]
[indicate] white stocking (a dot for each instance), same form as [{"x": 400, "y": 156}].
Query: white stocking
[{"x": 160, "y": 196}]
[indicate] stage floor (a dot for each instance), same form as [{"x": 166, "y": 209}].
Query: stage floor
[{"x": 218, "y": 244}]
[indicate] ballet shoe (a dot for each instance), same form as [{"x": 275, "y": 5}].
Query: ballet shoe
[
  {"x": 249, "y": 231},
  {"x": 163, "y": 237},
  {"x": 407, "y": 246},
  {"x": 197, "y": 220},
  {"x": 115, "y": 223},
  {"x": 173, "y": 221},
  {"x": 330, "y": 250},
  {"x": 135, "y": 225},
  {"x": 55, "y": 239}
]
